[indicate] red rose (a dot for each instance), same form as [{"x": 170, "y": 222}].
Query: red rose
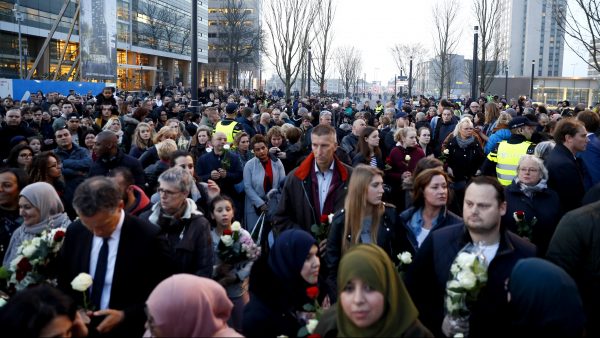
[
  {"x": 324, "y": 219},
  {"x": 312, "y": 292},
  {"x": 314, "y": 335},
  {"x": 59, "y": 235},
  {"x": 520, "y": 214},
  {"x": 227, "y": 232},
  {"x": 24, "y": 265}
]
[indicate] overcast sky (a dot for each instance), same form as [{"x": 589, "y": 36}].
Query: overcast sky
[{"x": 374, "y": 26}]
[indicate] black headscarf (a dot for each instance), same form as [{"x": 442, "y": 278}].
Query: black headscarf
[{"x": 544, "y": 300}]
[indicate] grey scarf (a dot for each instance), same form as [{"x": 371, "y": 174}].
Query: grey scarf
[
  {"x": 529, "y": 190},
  {"x": 463, "y": 143}
]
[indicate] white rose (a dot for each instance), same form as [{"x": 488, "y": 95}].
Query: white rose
[
  {"x": 466, "y": 279},
  {"x": 36, "y": 241},
  {"x": 451, "y": 306},
  {"x": 208, "y": 150},
  {"x": 227, "y": 240},
  {"x": 454, "y": 269},
  {"x": 453, "y": 284},
  {"x": 465, "y": 259},
  {"x": 405, "y": 257},
  {"x": 2, "y": 302},
  {"x": 226, "y": 146},
  {"x": 407, "y": 158},
  {"x": 82, "y": 282},
  {"x": 446, "y": 151},
  {"x": 330, "y": 218},
  {"x": 311, "y": 325},
  {"x": 236, "y": 226},
  {"x": 29, "y": 250}
]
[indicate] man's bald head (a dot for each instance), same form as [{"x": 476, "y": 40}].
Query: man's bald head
[{"x": 106, "y": 144}]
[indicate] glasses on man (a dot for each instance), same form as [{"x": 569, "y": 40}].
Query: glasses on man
[{"x": 166, "y": 192}]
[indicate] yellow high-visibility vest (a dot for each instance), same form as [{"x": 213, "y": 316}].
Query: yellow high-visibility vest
[
  {"x": 507, "y": 158},
  {"x": 227, "y": 130}
]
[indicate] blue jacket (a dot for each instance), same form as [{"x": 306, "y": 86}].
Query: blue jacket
[
  {"x": 76, "y": 165},
  {"x": 591, "y": 161},
  {"x": 495, "y": 138},
  {"x": 407, "y": 238},
  {"x": 210, "y": 161}
]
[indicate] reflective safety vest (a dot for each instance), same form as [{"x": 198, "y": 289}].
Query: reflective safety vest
[
  {"x": 507, "y": 158},
  {"x": 228, "y": 130},
  {"x": 379, "y": 109}
]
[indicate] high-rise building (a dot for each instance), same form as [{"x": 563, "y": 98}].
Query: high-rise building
[
  {"x": 529, "y": 31},
  {"x": 153, "y": 40},
  {"x": 233, "y": 44}
]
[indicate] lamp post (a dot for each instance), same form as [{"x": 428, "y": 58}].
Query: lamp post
[
  {"x": 194, "y": 33},
  {"x": 474, "y": 75},
  {"x": 532, "y": 75},
  {"x": 410, "y": 79},
  {"x": 19, "y": 19},
  {"x": 506, "y": 82},
  {"x": 395, "y": 93},
  {"x": 309, "y": 65}
]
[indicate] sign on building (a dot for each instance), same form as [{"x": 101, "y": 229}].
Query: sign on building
[{"x": 98, "y": 39}]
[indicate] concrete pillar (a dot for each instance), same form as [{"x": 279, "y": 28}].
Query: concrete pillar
[
  {"x": 169, "y": 65},
  {"x": 184, "y": 68},
  {"x": 151, "y": 81}
]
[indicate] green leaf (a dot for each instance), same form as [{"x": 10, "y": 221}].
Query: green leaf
[{"x": 4, "y": 273}]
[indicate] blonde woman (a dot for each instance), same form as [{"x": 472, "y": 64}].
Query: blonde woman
[
  {"x": 142, "y": 139},
  {"x": 114, "y": 124},
  {"x": 364, "y": 219},
  {"x": 150, "y": 156}
]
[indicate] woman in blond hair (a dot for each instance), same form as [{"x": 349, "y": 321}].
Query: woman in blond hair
[{"x": 364, "y": 219}]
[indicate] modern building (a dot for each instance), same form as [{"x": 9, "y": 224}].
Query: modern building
[
  {"x": 529, "y": 32},
  {"x": 233, "y": 41},
  {"x": 153, "y": 40}
]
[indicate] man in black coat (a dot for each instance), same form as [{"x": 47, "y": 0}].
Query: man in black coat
[
  {"x": 14, "y": 126},
  {"x": 124, "y": 255},
  {"x": 565, "y": 170},
  {"x": 111, "y": 157},
  {"x": 427, "y": 276}
]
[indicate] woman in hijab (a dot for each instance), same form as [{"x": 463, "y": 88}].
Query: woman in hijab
[
  {"x": 41, "y": 209},
  {"x": 544, "y": 301},
  {"x": 373, "y": 301},
  {"x": 188, "y": 306},
  {"x": 278, "y": 285}
]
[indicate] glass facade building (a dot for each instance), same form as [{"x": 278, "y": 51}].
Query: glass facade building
[{"x": 153, "y": 40}]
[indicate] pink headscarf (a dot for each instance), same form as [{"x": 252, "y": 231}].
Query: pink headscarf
[{"x": 190, "y": 306}]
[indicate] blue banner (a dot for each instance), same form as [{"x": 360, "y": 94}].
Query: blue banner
[{"x": 22, "y": 89}]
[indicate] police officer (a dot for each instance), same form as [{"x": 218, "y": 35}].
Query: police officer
[
  {"x": 229, "y": 126},
  {"x": 502, "y": 161}
]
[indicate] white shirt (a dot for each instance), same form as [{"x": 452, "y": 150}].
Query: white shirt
[
  {"x": 490, "y": 251},
  {"x": 113, "y": 246},
  {"x": 323, "y": 183},
  {"x": 422, "y": 236}
]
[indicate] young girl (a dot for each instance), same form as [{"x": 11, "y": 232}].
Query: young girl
[
  {"x": 234, "y": 278},
  {"x": 35, "y": 143}
]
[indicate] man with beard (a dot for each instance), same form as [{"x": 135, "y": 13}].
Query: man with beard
[{"x": 483, "y": 207}]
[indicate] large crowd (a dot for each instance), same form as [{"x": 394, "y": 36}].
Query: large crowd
[{"x": 255, "y": 215}]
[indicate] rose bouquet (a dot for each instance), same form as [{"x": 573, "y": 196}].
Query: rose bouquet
[
  {"x": 34, "y": 256},
  {"x": 321, "y": 229},
  {"x": 312, "y": 313},
  {"x": 236, "y": 246},
  {"x": 468, "y": 274},
  {"x": 524, "y": 227}
]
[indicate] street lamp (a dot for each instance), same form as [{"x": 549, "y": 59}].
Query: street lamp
[
  {"x": 194, "y": 33},
  {"x": 532, "y": 75},
  {"x": 309, "y": 65},
  {"x": 506, "y": 82},
  {"x": 474, "y": 75},
  {"x": 410, "y": 80},
  {"x": 401, "y": 70},
  {"x": 19, "y": 19}
]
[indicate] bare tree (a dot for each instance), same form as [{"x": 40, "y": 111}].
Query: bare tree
[
  {"x": 185, "y": 37},
  {"x": 402, "y": 52},
  {"x": 580, "y": 20},
  {"x": 154, "y": 27},
  {"x": 446, "y": 39},
  {"x": 349, "y": 65},
  {"x": 487, "y": 13},
  {"x": 321, "y": 49},
  {"x": 239, "y": 37},
  {"x": 288, "y": 23}
]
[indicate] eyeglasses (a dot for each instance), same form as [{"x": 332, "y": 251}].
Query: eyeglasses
[
  {"x": 162, "y": 191},
  {"x": 529, "y": 170}
]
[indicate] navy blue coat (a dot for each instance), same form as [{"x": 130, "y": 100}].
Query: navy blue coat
[
  {"x": 565, "y": 176},
  {"x": 210, "y": 161},
  {"x": 102, "y": 167},
  {"x": 428, "y": 274},
  {"x": 545, "y": 206}
]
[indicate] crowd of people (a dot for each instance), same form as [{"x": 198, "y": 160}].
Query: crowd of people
[{"x": 254, "y": 215}]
